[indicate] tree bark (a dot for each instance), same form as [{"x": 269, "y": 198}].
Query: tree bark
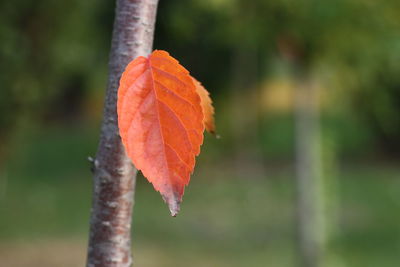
[{"x": 114, "y": 174}]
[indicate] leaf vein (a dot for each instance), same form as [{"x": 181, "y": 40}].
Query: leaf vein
[
  {"x": 179, "y": 120},
  {"x": 171, "y": 76},
  {"x": 177, "y": 155},
  {"x": 134, "y": 81},
  {"x": 175, "y": 94}
]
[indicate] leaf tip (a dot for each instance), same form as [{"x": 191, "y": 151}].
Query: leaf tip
[
  {"x": 173, "y": 204},
  {"x": 174, "y": 209},
  {"x": 213, "y": 132}
]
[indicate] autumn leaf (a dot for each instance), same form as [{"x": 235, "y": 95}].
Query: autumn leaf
[
  {"x": 161, "y": 123},
  {"x": 206, "y": 105}
]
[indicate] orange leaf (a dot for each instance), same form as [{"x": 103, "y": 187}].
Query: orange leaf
[
  {"x": 161, "y": 123},
  {"x": 206, "y": 105}
]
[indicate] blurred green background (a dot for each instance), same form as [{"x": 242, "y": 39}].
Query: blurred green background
[{"x": 261, "y": 60}]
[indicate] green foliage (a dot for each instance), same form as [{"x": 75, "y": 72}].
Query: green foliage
[
  {"x": 51, "y": 55},
  {"x": 353, "y": 45},
  {"x": 54, "y": 54}
]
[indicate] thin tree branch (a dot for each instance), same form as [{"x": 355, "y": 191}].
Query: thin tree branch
[{"x": 114, "y": 175}]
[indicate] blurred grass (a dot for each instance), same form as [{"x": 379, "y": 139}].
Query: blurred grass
[{"x": 226, "y": 219}]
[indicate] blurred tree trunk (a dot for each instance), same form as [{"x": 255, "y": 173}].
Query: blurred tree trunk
[
  {"x": 310, "y": 196},
  {"x": 114, "y": 174}
]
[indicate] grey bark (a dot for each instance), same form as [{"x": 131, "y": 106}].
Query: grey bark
[
  {"x": 114, "y": 174},
  {"x": 309, "y": 178}
]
